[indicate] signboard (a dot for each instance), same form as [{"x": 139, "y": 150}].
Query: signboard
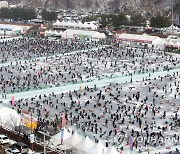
[{"x": 32, "y": 138}]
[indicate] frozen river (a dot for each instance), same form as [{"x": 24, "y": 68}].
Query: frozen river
[{"x": 98, "y": 83}]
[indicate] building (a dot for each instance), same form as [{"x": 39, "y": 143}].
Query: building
[
  {"x": 3, "y": 4},
  {"x": 141, "y": 41},
  {"x": 7, "y": 29}
]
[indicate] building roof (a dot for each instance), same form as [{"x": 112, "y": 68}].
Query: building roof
[
  {"x": 71, "y": 33},
  {"x": 137, "y": 38},
  {"x": 7, "y": 27}
]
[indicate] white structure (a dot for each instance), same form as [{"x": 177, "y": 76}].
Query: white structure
[
  {"x": 172, "y": 30},
  {"x": 83, "y": 34},
  {"x": 9, "y": 118},
  {"x": 144, "y": 41},
  {"x": 112, "y": 151},
  {"x": 75, "y": 25},
  {"x": 3, "y": 4},
  {"x": 74, "y": 139},
  {"x": 173, "y": 41},
  {"x": 52, "y": 33},
  {"x": 7, "y": 29},
  {"x": 56, "y": 139},
  {"x": 84, "y": 146},
  {"x": 98, "y": 149}
]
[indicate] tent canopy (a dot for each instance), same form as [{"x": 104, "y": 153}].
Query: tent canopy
[
  {"x": 112, "y": 151},
  {"x": 98, "y": 148},
  {"x": 9, "y": 118},
  {"x": 85, "y": 145},
  {"x": 137, "y": 38},
  {"x": 73, "y": 24},
  {"x": 57, "y": 138},
  {"x": 70, "y": 33},
  {"x": 74, "y": 139}
]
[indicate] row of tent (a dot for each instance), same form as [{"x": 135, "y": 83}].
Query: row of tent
[
  {"x": 79, "y": 144},
  {"x": 75, "y": 25}
]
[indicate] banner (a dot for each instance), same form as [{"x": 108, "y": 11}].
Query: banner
[
  {"x": 62, "y": 135},
  {"x": 131, "y": 143},
  {"x": 63, "y": 120},
  {"x": 13, "y": 101}
]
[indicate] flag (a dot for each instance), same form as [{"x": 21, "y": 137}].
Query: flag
[
  {"x": 62, "y": 135},
  {"x": 131, "y": 142},
  {"x": 63, "y": 120},
  {"x": 13, "y": 101}
]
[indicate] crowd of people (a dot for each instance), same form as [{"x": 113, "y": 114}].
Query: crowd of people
[
  {"x": 31, "y": 48},
  {"x": 76, "y": 67},
  {"x": 147, "y": 110}
]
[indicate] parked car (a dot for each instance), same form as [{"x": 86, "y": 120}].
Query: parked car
[
  {"x": 3, "y": 139},
  {"x": 12, "y": 151},
  {"x": 22, "y": 147}
]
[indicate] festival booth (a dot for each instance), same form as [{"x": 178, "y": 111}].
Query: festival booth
[
  {"x": 172, "y": 29},
  {"x": 141, "y": 41},
  {"x": 84, "y": 146},
  {"x": 173, "y": 42},
  {"x": 9, "y": 118},
  {"x": 48, "y": 33},
  {"x": 56, "y": 139},
  {"x": 74, "y": 139},
  {"x": 54, "y": 33},
  {"x": 98, "y": 149},
  {"x": 112, "y": 151}
]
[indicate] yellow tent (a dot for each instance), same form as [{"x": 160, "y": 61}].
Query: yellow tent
[
  {"x": 34, "y": 125},
  {"x": 28, "y": 123}
]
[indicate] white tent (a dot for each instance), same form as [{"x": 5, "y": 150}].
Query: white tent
[
  {"x": 73, "y": 24},
  {"x": 98, "y": 149},
  {"x": 56, "y": 139},
  {"x": 94, "y": 35},
  {"x": 9, "y": 118},
  {"x": 56, "y": 33},
  {"x": 85, "y": 145},
  {"x": 74, "y": 139},
  {"x": 177, "y": 44},
  {"x": 48, "y": 33},
  {"x": 172, "y": 28},
  {"x": 112, "y": 151},
  {"x": 99, "y": 36},
  {"x": 170, "y": 42},
  {"x": 57, "y": 23}
]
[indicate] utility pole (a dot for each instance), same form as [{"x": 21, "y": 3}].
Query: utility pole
[{"x": 172, "y": 5}]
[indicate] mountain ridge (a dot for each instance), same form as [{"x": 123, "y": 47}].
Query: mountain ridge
[{"x": 151, "y": 7}]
